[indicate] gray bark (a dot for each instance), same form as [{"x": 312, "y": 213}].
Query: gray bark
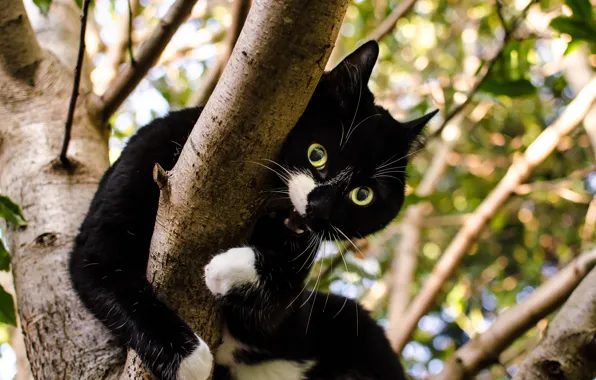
[{"x": 62, "y": 340}]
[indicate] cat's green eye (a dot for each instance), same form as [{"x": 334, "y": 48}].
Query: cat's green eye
[
  {"x": 362, "y": 196},
  {"x": 317, "y": 155}
]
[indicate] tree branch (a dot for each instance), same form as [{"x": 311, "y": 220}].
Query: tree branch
[
  {"x": 568, "y": 348},
  {"x": 214, "y": 190},
  {"x": 239, "y": 13},
  {"x": 75, "y": 86},
  {"x": 404, "y": 266},
  {"x": 126, "y": 81},
  {"x": 389, "y": 23},
  {"x": 519, "y": 170},
  {"x": 485, "y": 348},
  {"x": 19, "y": 50},
  {"x": 487, "y": 66},
  {"x": 116, "y": 51}
]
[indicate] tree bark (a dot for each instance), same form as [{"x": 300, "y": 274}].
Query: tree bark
[
  {"x": 61, "y": 338},
  {"x": 214, "y": 190},
  {"x": 484, "y": 349},
  {"x": 568, "y": 348}
]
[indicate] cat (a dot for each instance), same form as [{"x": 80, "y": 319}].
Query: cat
[
  {"x": 343, "y": 165},
  {"x": 343, "y": 170}
]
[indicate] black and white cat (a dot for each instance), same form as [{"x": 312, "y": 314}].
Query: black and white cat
[{"x": 343, "y": 168}]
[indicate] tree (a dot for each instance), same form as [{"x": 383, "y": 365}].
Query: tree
[
  {"x": 498, "y": 229},
  {"x": 59, "y": 196}
]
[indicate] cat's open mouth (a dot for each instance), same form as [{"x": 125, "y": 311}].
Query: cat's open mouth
[{"x": 295, "y": 222}]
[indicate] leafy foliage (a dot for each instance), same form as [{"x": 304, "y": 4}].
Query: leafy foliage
[
  {"x": 43, "y": 5},
  {"x": 7, "y": 311},
  {"x": 11, "y": 212},
  {"x": 4, "y": 257}
]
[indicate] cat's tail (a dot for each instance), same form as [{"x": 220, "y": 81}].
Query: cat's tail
[{"x": 124, "y": 301}]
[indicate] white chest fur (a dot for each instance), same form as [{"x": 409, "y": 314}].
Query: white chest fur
[{"x": 269, "y": 370}]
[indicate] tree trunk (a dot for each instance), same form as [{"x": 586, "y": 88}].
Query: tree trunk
[
  {"x": 213, "y": 192},
  {"x": 61, "y": 338}
]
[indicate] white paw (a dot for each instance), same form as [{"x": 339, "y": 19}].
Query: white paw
[
  {"x": 234, "y": 267},
  {"x": 197, "y": 365}
]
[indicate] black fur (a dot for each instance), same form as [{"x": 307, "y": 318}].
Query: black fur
[{"x": 108, "y": 263}]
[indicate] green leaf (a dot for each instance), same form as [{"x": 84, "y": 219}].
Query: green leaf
[
  {"x": 513, "y": 89},
  {"x": 4, "y": 257},
  {"x": 582, "y": 9},
  {"x": 43, "y": 5},
  {"x": 577, "y": 28},
  {"x": 7, "y": 312},
  {"x": 11, "y": 212},
  {"x": 572, "y": 46}
]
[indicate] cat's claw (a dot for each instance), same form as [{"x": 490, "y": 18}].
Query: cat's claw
[
  {"x": 197, "y": 365},
  {"x": 235, "y": 267}
]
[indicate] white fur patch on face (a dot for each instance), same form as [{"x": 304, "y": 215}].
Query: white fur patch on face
[
  {"x": 197, "y": 365},
  {"x": 234, "y": 267},
  {"x": 299, "y": 186}
]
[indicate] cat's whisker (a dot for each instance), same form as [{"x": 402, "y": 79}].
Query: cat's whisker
[
  {"x": 341, "y": 139},
  {"x": 389, "y": 172},
  {"x": 399, "y": 159},
  {"x": 311, "y": 241},
  {"x": 280, "y": 165},
  {"x": 284, "y": 178},
  {"x": 313, "y": 252},
  {"x": 350, "y": 240},
  {"x": 314, "y": 291},
  {"x": 357, "y": 125},
  {"x": 341, "y": 308},
  {"x": 356, "y": 111}
]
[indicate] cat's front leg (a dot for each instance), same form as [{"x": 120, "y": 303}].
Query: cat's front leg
[{"x": 232, "y": 269}]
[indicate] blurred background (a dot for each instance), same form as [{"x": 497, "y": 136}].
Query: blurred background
[{"x": 499, "y": 72}]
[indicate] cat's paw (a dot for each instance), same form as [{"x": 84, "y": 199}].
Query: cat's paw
[
  {"x": 197, "y": 365},
  {"x": 235, "y": 267}
]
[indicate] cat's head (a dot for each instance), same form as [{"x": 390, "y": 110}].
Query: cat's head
[{"x": 346, "y": 158}]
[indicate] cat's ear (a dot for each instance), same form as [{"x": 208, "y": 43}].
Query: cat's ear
[
  {"x": 355, "y": 70},
  {"x": 414, "y": 127}
]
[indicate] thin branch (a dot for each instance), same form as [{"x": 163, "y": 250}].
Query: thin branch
[
  {"x": 170, "y": 56},
  {"x": 569, "y": 343},
  {"x": 131, "y": 13},
  {"x": 389, "y": 23},
  {"x": 75, "y": 87},
  {"x": 487, "y": 66},
  {"x": 116, "y": 52},
  {"x": 19, "y": 50},
  {"x": 239, "y": 14},
  {"x": 587, "y": 231},
  {"x": 517, "y": 173},
  {"x": 485, "y": 348},
  {"x": 149, "y": 52},
  {"x": 405, "y": 262}
]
